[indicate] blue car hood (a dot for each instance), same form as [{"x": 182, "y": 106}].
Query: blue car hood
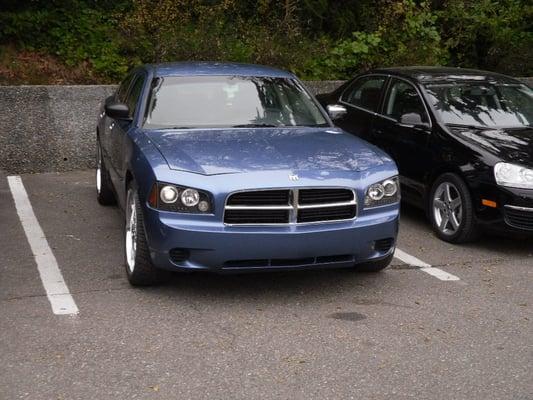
[{"x": 225, "y": 151}]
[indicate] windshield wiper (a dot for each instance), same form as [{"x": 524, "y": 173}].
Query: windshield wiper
[{"x": 256, "y": 126}]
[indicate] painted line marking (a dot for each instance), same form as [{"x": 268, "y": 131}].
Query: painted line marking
[
  {"x": 425, "y": 267},
  {"x": 56, "y": 290}
]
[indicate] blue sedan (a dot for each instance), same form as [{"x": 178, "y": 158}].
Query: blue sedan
[{"x": 233, "y": 167}]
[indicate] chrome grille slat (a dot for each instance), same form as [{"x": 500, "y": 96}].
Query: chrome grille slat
[{"x": 291, "y": 206}]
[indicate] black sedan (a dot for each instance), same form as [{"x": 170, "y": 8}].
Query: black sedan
[{"x": 462, "y": 139}]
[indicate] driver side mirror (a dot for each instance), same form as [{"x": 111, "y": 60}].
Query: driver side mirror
[
  {"x": 117, "y": 111},
  {"x": 336, "y": 111},
  {"x": 413, "y": 120}
]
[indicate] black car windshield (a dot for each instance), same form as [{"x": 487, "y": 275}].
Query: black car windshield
[
  {"x": 229, "y": 101},
  {"x": 483, "y": 104}
]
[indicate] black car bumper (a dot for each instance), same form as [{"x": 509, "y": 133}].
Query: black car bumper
[{"x": 512, "y": 210}]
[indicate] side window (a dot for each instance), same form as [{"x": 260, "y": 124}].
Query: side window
[
  {"x": 404, "y": 99},
  {"x": 365, "y": 93},
  {"x": 122, "y": 90},
  {"x": 134, "y": 94}
]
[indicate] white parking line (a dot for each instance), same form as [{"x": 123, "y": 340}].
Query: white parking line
[
  {"x": 56, "y": 290},
  {"x": 425, "y": 267}
]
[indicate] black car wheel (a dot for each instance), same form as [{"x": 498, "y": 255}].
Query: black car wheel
[
  {"x": 451, "y": 210},
  {"x": 139, "y": 266},
  {"x": 104, "y": 190}
]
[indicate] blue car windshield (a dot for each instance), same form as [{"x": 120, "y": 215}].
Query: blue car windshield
[
  {"x": 229, "y": 101},
  {"x": 481, "y": 104}
]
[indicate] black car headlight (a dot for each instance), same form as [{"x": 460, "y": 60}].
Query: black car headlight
[
  {"x": 169, "y": 197},
  {"x": 512, "y": 175},
  {"x": 383, "y": 193}
]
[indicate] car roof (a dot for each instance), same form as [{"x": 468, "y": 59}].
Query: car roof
[
  {"x": 423, "y": 74},
  {"x": 215, "y": 68}
]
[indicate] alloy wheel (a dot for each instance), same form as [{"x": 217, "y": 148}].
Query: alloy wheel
[
  {"x": 447, "y": 208},
  {"x": 131, "y": 230},
  {"x": 98, "y": 170}
]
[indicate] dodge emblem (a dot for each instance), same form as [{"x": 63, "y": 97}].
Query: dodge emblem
[{"x": 293, "y": 177}]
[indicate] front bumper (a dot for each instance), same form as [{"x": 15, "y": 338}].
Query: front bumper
[
  {"x": 513, "y": 212},
  {"x": 205, "y": 245}
]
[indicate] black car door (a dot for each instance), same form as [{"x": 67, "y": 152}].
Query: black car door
[
  {"x": 361, "y": 100},
  {"x": 403, "y": 129},
  {"x": 120, "y": 128}
]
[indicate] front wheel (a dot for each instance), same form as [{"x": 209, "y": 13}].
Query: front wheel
[
  {"x": 139, "y": 266},
  {"x": 451, "y": 210}
]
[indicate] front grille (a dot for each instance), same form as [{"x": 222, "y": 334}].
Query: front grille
[
  {"x": 519, "y": 217},
  {"x": 290, "y": 262},
  {"x": 326, "y": 213},
  {"x": 256, "y": 216},
  {"x": 290, "y": 206},
  {"x": 261, "y": 197},
  {"x": 324, "y": 196}
]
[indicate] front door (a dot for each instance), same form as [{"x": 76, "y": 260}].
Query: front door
[
  {"x": 407, "y": 144},
  {"x": 119, "y": 132}
]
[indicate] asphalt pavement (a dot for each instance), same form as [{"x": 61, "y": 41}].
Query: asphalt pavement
[{"x": 336, "y": 334}]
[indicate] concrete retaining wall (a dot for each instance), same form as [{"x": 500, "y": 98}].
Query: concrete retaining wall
[{"x": 52, "y": 128}]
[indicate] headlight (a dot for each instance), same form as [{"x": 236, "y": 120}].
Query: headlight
[
  {"x": 168, "y": 194},
  {"x": 512, "y": 175},
  {"x": 190, "y": 197},
  {"x": 167, "y": 197},
  {"x": 383, "y": 193}
]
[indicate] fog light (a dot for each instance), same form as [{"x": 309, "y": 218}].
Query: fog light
[
  {"x": 203, "y": 206},
  {"x": 168, "y": 194},
  {"x": 190, "y": 197}
]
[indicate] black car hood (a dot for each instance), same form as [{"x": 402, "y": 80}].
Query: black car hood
[{"x": 513, "y": 145}]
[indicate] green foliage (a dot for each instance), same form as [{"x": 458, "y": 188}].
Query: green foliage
[
  {"x": 318, "y": 39},
  {"x": 75, "y": 34},
  {"x": 490, "y": 34},
  {"x": 407, "y": 34}
]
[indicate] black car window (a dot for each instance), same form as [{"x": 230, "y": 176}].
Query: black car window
[
  {"x": 134, "y": 94},
  {"x": 483, "y": 104},
  {"x": 365, "y": 92},
  {"x": 122, "y": 90},
  {"x": 404, "y": 99}
]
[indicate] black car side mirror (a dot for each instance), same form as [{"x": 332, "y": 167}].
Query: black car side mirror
[
  {"x": 413, "y": 120},
  {"x": 117, "y": 111},
  {"x": 336, "y": 111}
]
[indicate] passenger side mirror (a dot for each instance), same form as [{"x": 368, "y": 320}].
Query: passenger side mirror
[
  {"x": 412, "y": 120},
  {"x": 336, "y": 111},
  {"x": 117, "y": 110}
]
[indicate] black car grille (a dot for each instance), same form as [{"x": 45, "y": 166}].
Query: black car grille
[
  {"x": 518, "y": 217},
  {"x": 290, "y": 206}
]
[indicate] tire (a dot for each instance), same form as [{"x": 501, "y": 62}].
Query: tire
[
  {"x": 451, "y": 210},
  {"x": 104, "y": 188},
  {"x": 375, "y": 266},
  {"x": 139, "y": 267}
]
